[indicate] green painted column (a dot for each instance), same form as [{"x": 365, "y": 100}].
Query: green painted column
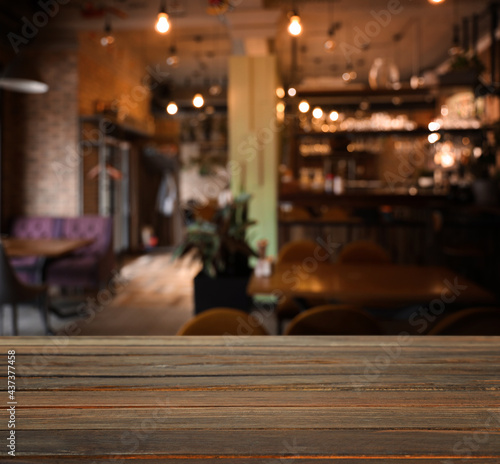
[{"x": 254, "y": 136}]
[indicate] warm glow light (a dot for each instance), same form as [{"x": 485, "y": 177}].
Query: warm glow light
[
  {"x": 292, "y": 91},
  {"x": 317, "y": 112},
  {"x": 280, "y": 92},
  {"x": 294, "y": 27},
  {"x": 334, "y": 116},
  {"x": 172, "y": 108},
  {"x": 433, "y": 138},
  {"x": 447, "y": 161},
  {"x": 330, "y": 45},
  {"x": 436, "y": 2},
  {"x": 107, "y": 40},
  {"x": 280, "y": 107},
  {"x": 434, "y": 126},
  {"x": 198, "y": 101},
  {"x": 162, "y": 25},
  {"x": 303, "y": 106}
]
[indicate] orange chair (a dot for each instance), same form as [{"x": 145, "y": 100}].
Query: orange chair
[
  {"x": 472, "y": 321},
  {"x": 223, "y": 321},
  {"x": 297, "y": 250},
  {"x": 363, "y": 252},
  {"x": 334, "y": 320}
]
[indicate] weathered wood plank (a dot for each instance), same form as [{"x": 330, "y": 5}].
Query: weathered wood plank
[
  {"x": 252, "y": 443},
  {"x": 257, "y": 460},
  {"x": 277, "y": 383},
  {"x": 272, "y": 399},
  {"x": 248, "y": 418},
  {"x": 256, "y": 398},
  {"x": 280, "y": 341}
]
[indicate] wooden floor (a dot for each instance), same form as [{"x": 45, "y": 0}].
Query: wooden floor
[{"x": 156, "y": 299}]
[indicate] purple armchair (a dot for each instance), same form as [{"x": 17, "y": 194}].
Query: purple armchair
[
  {"x": 90, "y": 266},
  {"x": 27, "y": 268}
]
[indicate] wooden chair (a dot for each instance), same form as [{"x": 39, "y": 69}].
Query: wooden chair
[
  {"x": 472, "y": 321},
  {"x": 13, "y": 292},
  {"x": 293, "y": 252},
  {"x": 297, "y": 250},
  {"x": 334, "y": 320},
  {"x": 363, "y": 252},
  {"x": 223, "y": 321}
]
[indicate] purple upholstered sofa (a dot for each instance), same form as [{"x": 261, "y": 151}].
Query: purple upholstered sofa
[
  {"x": 87, "y": 267},
  {"x": 28, "y": 267}
]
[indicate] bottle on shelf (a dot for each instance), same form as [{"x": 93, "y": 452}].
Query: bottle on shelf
[
  {"x": 329, "y": 183},
  {"x": 338, "y": 185}
]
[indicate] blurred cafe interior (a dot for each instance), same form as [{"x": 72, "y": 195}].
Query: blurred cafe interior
[{"x": 310, "y": 167}]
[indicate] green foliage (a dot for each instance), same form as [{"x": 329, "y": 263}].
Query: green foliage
[
  {"x": 221, "y": 243},
  {"x": 462, "y": 61}
]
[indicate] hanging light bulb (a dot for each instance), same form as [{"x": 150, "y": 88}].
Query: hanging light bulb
[
  {"x": 349, "y": 74},
  {"x": 172, "y": 108},
  {"x": 330, "y": 43},
  {"x": 317, "y": 112},
  {"x": 162, "y": 25},
  {"x": 198, "y": 100},
  {"x": 435, "y": 2},
  {"x": 107, "y": 38},
  {"x": 303, "y": 106},
  {"x": 173, "y": 59},
  {"x": 294, "y": 28}
]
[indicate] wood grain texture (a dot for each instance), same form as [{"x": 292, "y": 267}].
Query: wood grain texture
[{"x": 355, "y": 400}]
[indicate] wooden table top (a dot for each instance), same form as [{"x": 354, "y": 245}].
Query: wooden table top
[
  {"x": 370, "y": 285},
  {"x": 356, "y": 400},
  {"x": 49, "y": 248}
]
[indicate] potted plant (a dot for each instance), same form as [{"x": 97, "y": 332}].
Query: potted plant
[{"x": 220, "y": 244}]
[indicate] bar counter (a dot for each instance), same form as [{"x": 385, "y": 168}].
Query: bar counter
[{"x": 247, "y": 400}]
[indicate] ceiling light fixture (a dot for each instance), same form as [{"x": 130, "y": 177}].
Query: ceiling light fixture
[
  {"x": 330, "y": 44},
  {"x": 303, "y": 106},
  {"x": 436, "y": 2},
  {"x": 21, "y": 76},
  {"x": 172, "y": 108},
  {"x": 317, "y": 112},
  {"x": 107, "y": 38},
  {"x": 334, "y": 116},
  {"x": 294, "y": 28},
  {"x": 162, "y": 25},
  {"x": 292, "y": 91},
  {"x": 198, "y": 100}
]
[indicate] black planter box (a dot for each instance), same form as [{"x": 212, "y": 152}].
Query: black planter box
[
  {"x": 465, "y": 77},
  {"x": 221, "y": 291}
]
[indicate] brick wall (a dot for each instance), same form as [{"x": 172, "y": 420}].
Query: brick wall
[{"x": 40, "y": 133}]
